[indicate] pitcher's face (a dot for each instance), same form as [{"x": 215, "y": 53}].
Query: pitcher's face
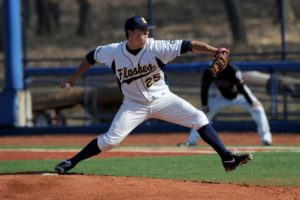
[{"x": 138, "y": 37}]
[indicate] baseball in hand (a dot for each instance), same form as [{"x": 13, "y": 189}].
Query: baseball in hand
[{"x": 67, "y": 86}]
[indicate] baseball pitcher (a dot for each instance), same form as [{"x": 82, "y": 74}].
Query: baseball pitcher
[{"x": 139, "y": 64}]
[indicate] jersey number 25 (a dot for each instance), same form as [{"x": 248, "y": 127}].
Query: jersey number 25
[{"x": 149, "y": 81}]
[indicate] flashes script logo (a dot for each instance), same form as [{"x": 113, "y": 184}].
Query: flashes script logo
[{"x": 128, "y": 75}]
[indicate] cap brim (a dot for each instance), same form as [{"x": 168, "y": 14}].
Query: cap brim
[
  {"x": 151, "y": 27},
  {"x": 145, "y": 27}
]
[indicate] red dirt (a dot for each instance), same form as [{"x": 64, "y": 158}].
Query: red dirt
[
  {"x": 169, "y": 139},
  {"x": 35, "y": 186}
]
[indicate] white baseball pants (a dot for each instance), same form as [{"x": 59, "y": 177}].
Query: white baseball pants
[{"x": 169, "y": 108}]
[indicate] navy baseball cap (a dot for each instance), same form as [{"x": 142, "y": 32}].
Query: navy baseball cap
[{"x": 137, "y": 22}]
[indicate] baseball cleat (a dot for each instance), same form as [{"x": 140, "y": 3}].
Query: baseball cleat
[
  {"x": 186, "y": 144},
  {"x": 236, "y": 160},
  {"x": 63, "y": 167}
]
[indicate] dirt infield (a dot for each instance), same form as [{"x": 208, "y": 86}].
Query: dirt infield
[{"x": 40, "y": 185}]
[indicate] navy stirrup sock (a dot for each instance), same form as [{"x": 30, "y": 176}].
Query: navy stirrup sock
[
  {"x": 89, "y": 150},
  {"x": 210, "y": 136}
]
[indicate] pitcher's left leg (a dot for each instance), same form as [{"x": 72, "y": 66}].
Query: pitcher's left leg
[{"x": 176, "y": 110}]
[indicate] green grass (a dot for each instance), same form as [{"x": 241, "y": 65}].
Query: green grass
[
  {"x": 273, "y": 169},
  {"x": 78, "y": 147}
]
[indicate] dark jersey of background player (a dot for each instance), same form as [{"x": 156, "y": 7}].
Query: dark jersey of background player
[{"x": 229, "y": 82}]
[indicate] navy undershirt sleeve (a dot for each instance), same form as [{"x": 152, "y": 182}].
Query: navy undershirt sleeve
[
  {"x": 186, "y": 46},
  {"x": 90, "y": 57}
]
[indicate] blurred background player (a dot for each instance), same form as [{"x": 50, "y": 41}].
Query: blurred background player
[{"x": 233, "y": 92}]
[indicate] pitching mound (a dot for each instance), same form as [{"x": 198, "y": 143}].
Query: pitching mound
[{"x": 47, "y": 185}]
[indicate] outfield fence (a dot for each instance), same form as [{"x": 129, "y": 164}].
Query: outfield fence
[{"x": 276, "y": 84}]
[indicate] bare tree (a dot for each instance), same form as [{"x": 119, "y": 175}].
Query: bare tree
[
  {"x": 236, "y": 21},
  {"x": 289, "y": 14},
  {"x": 54, "y": 12},
  {"x": 48, "y": 14},
  {"x": 84, "y": 13}
]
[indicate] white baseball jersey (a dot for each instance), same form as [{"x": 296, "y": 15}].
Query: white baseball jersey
[
  {"x": 140, "y": 76},
  {"x": 146, "y": 94}
]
